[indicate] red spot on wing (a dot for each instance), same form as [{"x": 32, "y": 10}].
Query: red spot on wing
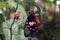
[{"x": 37, "y": 20}]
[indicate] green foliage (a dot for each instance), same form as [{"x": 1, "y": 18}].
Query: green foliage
[
  {"x": 1, "y": 19},
  {"x": 47, "y": 2},
  {"x": 4, "y": 4},
  {"x": 3, "y": 0}
]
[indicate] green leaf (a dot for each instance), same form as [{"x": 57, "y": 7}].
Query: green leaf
[{"x": 4, "y": 4}]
